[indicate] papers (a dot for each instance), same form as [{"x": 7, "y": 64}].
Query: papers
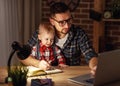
[
  {"x": 53, "y": 70},
  {"x": 33, "y": 71}
]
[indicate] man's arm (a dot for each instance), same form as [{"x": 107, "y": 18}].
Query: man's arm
[
  {"x": 30, "y": 61},
  {"x": 34, "y": 39}
]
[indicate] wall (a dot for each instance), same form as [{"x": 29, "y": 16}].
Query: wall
[{"x": 81, "y": 17}]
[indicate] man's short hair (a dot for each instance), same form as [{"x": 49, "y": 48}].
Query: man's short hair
[{"x": 58, "y": 7}]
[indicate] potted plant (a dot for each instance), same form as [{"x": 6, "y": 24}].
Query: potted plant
[
  {"x": 19, "y": 75},
  {"x": 116, "y": 8}
]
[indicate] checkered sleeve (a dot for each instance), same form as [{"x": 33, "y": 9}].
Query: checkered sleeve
[
  {"x": 33, "y": 53},
  {"x": 86, "y": 47},
  {"x": 33, "y": 39}
]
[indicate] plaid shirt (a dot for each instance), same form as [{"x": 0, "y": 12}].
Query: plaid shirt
[
  {"x": 47, "y": 53},
  {"x": 76, "y": 44}
]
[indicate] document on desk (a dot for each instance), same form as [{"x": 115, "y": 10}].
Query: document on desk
[{"x": 33, "y": 71}]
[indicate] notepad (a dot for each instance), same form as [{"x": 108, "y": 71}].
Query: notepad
[{"x": 33, "y": 71}]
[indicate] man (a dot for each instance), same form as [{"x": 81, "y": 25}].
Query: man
[{"x": 72, "y": 40}]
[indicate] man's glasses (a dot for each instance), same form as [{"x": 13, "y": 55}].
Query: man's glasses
[{"x": 63, "y": 22}]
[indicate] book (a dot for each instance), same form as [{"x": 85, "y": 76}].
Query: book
[{"x": 33, "y": 71}]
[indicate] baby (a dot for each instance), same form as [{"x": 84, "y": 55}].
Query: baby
[{"x": 45, "y": 48}]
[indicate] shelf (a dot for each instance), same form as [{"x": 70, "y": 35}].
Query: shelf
[
  {"x": 113, "y": 20},
  {"x": 99, "y": 27}
]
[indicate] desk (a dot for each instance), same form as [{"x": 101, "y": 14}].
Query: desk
[{"x": 59, "y": 79}]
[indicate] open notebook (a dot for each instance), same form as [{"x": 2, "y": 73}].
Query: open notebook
[
  {"x": 107, "y": 73},
  {"x": 33, "y": 71}
]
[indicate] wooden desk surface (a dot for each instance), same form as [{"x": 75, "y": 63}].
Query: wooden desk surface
[{"x": 59, "y": 79}]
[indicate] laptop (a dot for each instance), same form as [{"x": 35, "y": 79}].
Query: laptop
[{"x": 107, "y": 72}]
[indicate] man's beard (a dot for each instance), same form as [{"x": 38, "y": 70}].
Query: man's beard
[{"x": 65, "y": 31}]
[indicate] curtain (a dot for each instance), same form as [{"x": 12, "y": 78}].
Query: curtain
[
  {"x": 18, "y": 20},
  {"x": 26, "y": 18},
  {"x": 29, "y": 14}
]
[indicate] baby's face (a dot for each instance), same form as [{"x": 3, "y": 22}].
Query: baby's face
[{"x": 47, "y": 39}]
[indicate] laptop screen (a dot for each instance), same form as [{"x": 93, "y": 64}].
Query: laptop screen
[{"x": 108, "y": 67}]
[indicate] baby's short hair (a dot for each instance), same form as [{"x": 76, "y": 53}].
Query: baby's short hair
[{"x": 46, "y": 27}]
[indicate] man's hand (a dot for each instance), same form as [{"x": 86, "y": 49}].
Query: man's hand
[
  {"x": 93, "y": 70},
  {"x": 93, "y": 65}
]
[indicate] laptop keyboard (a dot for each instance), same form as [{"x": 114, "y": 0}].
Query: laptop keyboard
[{"x": 91, "y": 80}]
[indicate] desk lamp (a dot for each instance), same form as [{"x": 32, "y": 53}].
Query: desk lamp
[{"x": 22, "y": 52}]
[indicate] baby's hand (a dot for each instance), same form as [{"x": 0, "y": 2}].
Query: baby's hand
[
  {"x": 62, "y": 65},
  {"x": 44, "y": 65}
]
